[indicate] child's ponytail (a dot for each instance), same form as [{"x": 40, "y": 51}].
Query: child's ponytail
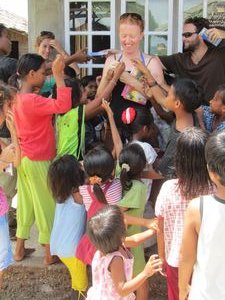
[
  {"x": 99, "y": 166},
  {"x": 132, "y": 161},
  {"x": 124, "y": 177},
  {"x": 96, "y": 181},
  {"x": 14, "y": 81}
]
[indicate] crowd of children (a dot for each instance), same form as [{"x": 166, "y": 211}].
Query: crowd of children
[{"x": 88, "y": 197}]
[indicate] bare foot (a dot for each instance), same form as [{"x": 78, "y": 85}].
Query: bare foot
[
  {"x": 20, "y": 255},
  {"x": 50, "y": 260}
]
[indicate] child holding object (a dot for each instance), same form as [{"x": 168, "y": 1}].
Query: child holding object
[{"x": 112, "y": 266}]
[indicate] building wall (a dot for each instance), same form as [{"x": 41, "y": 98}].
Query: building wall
[
  {"x": 45, "y": 15},
  {"x": 21, "y": 38}
]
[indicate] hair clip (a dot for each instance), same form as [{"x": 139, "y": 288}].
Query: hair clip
[
  {"x": 95, "y": 180},
  {"x": 128, "y": 115},
  {"x": 126, "y": 167}
]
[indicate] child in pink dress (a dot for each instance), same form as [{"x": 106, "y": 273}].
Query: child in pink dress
[{"x": 112, "y": 266}]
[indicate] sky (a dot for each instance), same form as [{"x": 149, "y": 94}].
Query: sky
[{"x": 18, "y": 7}]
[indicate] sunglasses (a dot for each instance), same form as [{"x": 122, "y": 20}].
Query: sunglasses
[
  {"x": 188, "y": 34},
  {"x": 48, "y": 34}
]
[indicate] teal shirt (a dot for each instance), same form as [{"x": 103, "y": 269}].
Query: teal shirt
[{"x": 48, "y": 85}]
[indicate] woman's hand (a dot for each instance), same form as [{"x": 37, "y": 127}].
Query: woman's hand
[{"x": 58, "y": 47}]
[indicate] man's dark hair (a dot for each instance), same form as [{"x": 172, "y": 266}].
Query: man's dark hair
[
  {"x": 198, "y": 22},
  {"x": 2, "y": 29}
]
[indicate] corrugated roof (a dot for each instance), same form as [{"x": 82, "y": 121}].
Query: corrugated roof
[{"x": 12, "y": 21}]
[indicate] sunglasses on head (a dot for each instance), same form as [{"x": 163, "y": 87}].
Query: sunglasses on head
[
  {"x": 188, "y": 34},
  {"x": 132, "y": 15},
  {"x": 47, "y": 33}
]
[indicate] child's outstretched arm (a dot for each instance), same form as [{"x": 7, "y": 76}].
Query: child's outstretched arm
[
  {"x": 94, "y": 107},
  {"x": 150, "y": 173},
  {"x": 139, "y": 238},
  {"x": 118, "y": 145},
  {"x": 124, "y": 287},
  {"x": 188, "y": 252},
  {"x": 155, "y": 90},
  {"x": 131, "y": 220}
]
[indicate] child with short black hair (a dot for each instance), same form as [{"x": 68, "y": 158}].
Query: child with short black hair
[
  {"x": 183, "y": 98},
  {"x": 64, "y": 177},
  {"x": 202, "y": 250},
  {"x": 112, "y": 266}
]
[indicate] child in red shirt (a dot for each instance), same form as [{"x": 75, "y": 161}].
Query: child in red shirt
[{"x": 33, "y": 117}]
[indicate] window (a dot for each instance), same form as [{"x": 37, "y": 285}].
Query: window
[
  {"x": 158, "y": 23},
  {"x": 91, "y": 25}
]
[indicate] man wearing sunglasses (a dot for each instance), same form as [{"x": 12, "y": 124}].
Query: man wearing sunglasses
[{"x": 200, "y": 61}]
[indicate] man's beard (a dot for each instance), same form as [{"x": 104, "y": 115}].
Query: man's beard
[{"x": 190, "y": 48}]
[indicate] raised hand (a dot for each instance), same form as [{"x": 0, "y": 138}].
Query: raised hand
[
  {"x": 10, "y": 121},
  {"x": 214, "y": 34},
  {"x": 140, "y": 66},
  {"x": 118, "y": 70},
  {"x": 57, "y": 46},
  {"x": 81, "y": 56},
  {"x": 107, "y": 108},
  {"x": 58, "y": 66}
]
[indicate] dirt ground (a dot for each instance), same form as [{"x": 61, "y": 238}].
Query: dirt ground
[{"x": 54, "y": 283}]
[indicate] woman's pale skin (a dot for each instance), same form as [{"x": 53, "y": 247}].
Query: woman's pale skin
[{"x": 130, "y": 38}]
